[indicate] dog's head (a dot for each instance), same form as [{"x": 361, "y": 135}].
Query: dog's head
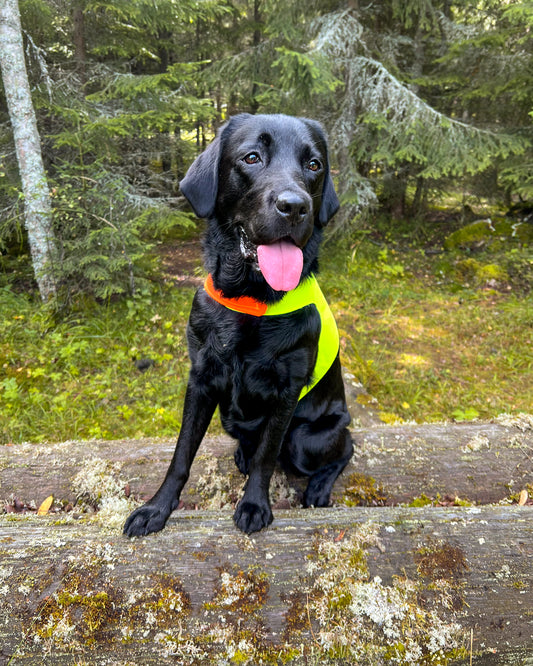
[{"x": 265, "y": 182}]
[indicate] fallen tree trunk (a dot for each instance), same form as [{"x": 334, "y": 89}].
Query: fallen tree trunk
[
  {"x": 360, "y": 585},
  {"x": 479, "y": 463},
  {"x": 356, "y": 585}
]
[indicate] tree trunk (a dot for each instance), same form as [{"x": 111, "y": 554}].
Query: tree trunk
[
  {"x": 256, "y": 41},
  {"x": 78, "y": 38},
  {"x": 394, "y": 193},
  {"x": 28, "y": 147},
  {"x": 345, "y": 585},
  {"x": 366, "y": 586},
  {"x": 475, "y": 462}
]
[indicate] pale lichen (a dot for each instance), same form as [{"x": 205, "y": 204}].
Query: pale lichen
[
  {"x": 280, "y": 490},
  {"x": 239, "y": 589},
  {"x": 214, "y": 488},
  {"x": 476, "y": 443},
  {"x": 99, "y": 485},
  {"x": 337, "y": 610},
  {"x": 521, "y": 421},
  {"x": 362, "y": 620}
]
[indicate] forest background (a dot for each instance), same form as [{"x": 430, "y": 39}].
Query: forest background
[{"x": 428, "y": 267}]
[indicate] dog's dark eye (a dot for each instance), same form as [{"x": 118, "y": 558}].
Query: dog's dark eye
[
  {"x": 252, "y": 158},
  {"x": 314, "y": 165}
]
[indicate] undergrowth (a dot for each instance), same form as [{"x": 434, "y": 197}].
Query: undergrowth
[
  {"x": 78, "y": 378},
  {"x": 428, "y": 339},
  {"x": 429, "y": 342}
]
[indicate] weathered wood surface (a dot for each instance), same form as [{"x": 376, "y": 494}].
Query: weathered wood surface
[
  {"x": 78, "y": 593},
  {"x": 73, "y": 590},
  {"x": 482, "y": 463}
]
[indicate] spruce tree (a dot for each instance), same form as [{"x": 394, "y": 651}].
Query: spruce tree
[
  {"x": 399, "y": 123},
  {"x": 115, "y": 117}
]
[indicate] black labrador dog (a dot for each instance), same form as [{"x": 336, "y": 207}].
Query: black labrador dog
[{"x": 262, "y": 342}]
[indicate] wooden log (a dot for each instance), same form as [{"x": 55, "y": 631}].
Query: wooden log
[
  {"x": 477, "y": 462},
  {"x": 341, "y": 585}
]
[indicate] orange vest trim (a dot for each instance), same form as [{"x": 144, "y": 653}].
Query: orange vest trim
[{"x": 244, "y": 304}]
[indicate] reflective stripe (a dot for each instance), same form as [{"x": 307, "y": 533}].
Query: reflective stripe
[{"x": 307, "y": 293}]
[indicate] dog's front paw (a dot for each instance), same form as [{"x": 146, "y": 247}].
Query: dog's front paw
[
  {"x": 145, "y": 520},
  {"x": 316, "y": 496},
  {"x": 251, "y": 517}
]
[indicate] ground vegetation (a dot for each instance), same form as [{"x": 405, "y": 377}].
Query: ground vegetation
[{"x": 428, "y": 106}]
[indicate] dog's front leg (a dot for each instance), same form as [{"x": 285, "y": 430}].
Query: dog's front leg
[
  {"x": 198, "y": 410},
  {"x": 253, "y": 511}
]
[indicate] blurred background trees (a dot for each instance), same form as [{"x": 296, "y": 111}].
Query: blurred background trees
[{"x": 423, "y": 99}]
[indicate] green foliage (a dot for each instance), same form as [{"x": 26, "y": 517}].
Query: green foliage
[
  {"x": 303, "y": 74},
  {"x": 103, "y": 229},
  {"x": 77, "y": 378},
  {"x": 409, "y": 112},
  {"x": 143, "y": 30},
  {"x": 115, "y": 141},
  {"x": 420, "y": 98},
  {"x": 427, "y": 344},
  {"x": 421, "y": 14},
  {"x": 99, "y": 244},
  {"x": 490, "y": 233},
  {"x": 468, "y": 414}
]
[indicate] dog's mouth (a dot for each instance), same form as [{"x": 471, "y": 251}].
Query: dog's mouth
[{"x": 280, "y": 262}]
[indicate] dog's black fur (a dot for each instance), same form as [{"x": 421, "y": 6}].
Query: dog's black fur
[{"x": 262, "y": 179}]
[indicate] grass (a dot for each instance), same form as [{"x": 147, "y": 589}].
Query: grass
[
  {"x": 429, "y": 342},
  {"x": 77, "y": 379}
]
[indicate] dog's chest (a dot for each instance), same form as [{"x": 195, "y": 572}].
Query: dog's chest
[{"x": 253, "y": 362}]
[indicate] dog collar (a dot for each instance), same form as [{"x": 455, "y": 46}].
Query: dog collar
[{"x": 306, "y": 293}]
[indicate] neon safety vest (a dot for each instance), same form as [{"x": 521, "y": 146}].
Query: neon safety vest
[{"x": 305, "y": 293}]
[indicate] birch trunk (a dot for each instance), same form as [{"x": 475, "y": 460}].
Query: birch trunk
[{"x": 28, "y": 146}]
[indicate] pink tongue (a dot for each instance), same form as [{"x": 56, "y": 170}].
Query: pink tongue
[{"x": 281, "y": 264}]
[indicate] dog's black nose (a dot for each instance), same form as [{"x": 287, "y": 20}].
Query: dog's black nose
[{"x": 292, "y": 205}]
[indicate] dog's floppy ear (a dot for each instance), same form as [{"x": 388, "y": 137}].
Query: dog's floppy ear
[
  {"x": 330, "y": 202},
  {"x": 200, "y": 185}
]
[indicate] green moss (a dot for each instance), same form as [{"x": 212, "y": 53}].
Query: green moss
[
  {"x": 390, "y": 418},
  {"x": 160, "y": 605},
  {"x": 296, "y": 618},
  {"x": 422, "y": 500},
  {"x": 287, "y": 656},
  {"x": 77, "y": 615},
  {"x": 472, "y": 271},
  {"x": 243, "y": 591},
  {"x": 361, "y": 490},
  {"x": 336, "y": 614},
  {"x": 86, "y": 609},
  {"x": 492, "y": 272},
  {"x": 366, "y": 400},
  {"x": 240, "y": 657},
  {"x": 339, "y": 602},
  {"x": 489, "y": 233},
  {"x": 459, "y": 501},
  {"x": 358, "y": 619}
]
